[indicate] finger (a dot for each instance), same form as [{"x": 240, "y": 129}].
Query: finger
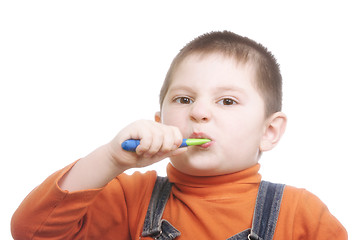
[
  {"x": 169, "y": 142},
  {"x": 156, "y": 144},
  {"x": 178, "y": 137},
  {"x": 154, "y": 141},
  {"x": 161, "y": 156},
  {"x": 145, "y": 142},
  {"x": 177, "y": 152}
]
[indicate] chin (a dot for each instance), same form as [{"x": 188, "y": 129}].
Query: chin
[{"x": 198, "y": 167}]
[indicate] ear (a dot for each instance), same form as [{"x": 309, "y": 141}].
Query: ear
[
  {"x": 158, "y": 117},
  {"x": 274, "y": 129}
]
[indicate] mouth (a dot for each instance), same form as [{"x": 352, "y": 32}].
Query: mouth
[{"x": 202, "y": 135}]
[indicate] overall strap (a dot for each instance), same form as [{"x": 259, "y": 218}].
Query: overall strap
[
  {"x": 266, "y": 211},
  {"x": 154, "y": 226}
]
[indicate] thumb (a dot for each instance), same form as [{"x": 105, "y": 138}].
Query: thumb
[
  {"x": 177, "y": 152},
  {"x": 159, "y": 157}
]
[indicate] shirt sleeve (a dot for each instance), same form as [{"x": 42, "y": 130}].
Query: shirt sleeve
[
  {"x": 49, "y": 212},
  {"x": 313, "y": 220}
]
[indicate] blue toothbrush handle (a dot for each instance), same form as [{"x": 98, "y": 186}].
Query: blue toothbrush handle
[
  {"x": 183, "y": 144},
  {"x": 131, "y": 144}
]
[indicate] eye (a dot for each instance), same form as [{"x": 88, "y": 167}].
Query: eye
[
  {"x": 227, "y": 101},
  {"x": 183, "y": 100}
]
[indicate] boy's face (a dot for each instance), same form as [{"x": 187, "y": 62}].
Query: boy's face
[{"x": 214, "y": 97}]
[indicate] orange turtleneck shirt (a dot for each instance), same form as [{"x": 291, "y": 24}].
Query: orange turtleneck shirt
[{"x": 199, "y": 207}]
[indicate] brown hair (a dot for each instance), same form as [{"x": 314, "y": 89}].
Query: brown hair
[{"x": 243, "y": 49}]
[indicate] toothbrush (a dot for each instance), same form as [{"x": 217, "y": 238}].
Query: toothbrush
[{"x": 131, "y": 144}]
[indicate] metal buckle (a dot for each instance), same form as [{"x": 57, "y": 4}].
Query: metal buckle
[
  {"x": 157, "y": 236},
  {"x": 253, "y": 237}
]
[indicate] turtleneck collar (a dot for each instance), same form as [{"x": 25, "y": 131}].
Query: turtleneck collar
[
  {"x": 227, "y": 186},
  {"x": 247, "y": 176}
]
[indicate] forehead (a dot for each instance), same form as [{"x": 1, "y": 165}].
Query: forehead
[{"x": 213, "y": 70}]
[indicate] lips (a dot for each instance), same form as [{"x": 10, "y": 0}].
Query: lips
[{"x": 202, "y": 135}]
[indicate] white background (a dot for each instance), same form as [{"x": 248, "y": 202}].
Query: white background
[{"x": 74, "y": 73}]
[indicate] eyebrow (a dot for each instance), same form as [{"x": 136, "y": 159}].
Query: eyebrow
[
  {"x": 180, "y": 87},
  {"x": 230, "y": 88},
  {"x": 218, "y": 89}
]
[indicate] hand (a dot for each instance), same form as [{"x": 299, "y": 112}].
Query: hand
[{"x": 157, "y": 142}]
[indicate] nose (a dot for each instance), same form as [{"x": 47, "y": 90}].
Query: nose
[{"x": 200, "y": 112}]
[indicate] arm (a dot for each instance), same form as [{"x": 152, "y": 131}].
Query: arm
[
  {"x": 67, "y": 203},
  {"x": 158, "y": 142},
  {"x": 38, "y": 215},
  {"x": 313, "y": 220}
]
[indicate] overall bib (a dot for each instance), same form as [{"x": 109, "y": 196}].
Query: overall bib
[{"x": 266, "y": 213}]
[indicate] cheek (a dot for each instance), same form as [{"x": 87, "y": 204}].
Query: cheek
[
  {"x": 244, "y": 129},
  {"x": 171, "y": 117}
]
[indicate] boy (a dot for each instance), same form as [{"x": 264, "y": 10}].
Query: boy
[{"x": 220, "y": 86}]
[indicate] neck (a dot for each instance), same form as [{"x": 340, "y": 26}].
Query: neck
[{"x": 215, "y": 186}]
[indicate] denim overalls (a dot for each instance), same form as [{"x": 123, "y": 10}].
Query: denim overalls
[{"x": 266, "y": 213}]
